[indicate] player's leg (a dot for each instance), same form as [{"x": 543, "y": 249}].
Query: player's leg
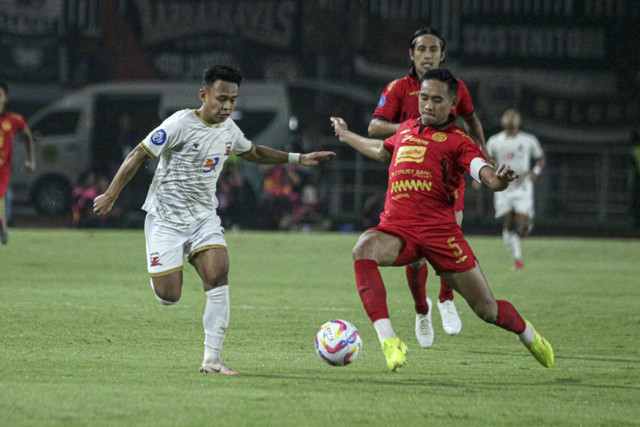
[
  {"x": 165, "y": 257},
  {"x": 473, "y": 286},
  {"x": 212, "y": 266},
  {"x": 511, "y": 239},
  {"x": 417, "y": 279},
  {"x": 451, "y": 322},
  {"x": 376, "y": 248}
]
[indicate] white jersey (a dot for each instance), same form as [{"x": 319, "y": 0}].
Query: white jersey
[
  {"x": 192, "y": 153},
  {"x": 517, "y": 152}
]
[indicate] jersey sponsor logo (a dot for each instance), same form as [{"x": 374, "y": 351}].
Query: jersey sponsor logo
[
  {"x": 154, "y": 259},
  {"x": 411, "y": 138},
  {"x": 159, "y": 137},
  {"x": 439, "y": 136},
  {"x": 383, "y": 100},
  {"x": 410, "y": 153},
  {"x": 211, "y": 165},
  {"x": 410, "y": 185}
]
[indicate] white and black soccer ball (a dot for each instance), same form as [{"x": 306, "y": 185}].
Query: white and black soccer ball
[{"x": 338, "y": 342}]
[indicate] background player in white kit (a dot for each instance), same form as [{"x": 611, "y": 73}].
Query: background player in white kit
[
  {"x": 181, "y": 203},
  {"x": 515, "y": 205}
]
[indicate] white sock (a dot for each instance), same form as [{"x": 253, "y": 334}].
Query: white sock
[
  {"x": 527, "y": 336},
  {"x": 216, "y": 320},
  {"x": 384, "y": 329},
  {"x": 512, "y": 243}
]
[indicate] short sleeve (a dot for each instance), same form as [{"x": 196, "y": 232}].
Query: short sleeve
[
  {"x": 389, "y": 105},
  {"x": 536, "y": 150},
  {"x": 164, "y": 136},
  {"x": 465, "y": 106},
  {"x": 19, "y": 123},
  {"x": 240, "y": 144}
]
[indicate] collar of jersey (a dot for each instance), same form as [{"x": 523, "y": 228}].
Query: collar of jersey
[
  {"x": 217, "y": 125},
  {"x": 450, "y": 121}
]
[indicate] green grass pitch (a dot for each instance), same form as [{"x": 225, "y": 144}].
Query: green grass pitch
[{"x": 84, "y": 341}]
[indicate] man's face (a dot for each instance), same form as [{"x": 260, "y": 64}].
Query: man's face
[
  {"x": 218, "y": 101},
  {"x": 434, "y": 102},
  {"x": 511, "y": 120},
  {"x": 426, "y": 54}
]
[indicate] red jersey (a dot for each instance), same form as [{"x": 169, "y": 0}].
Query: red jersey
[
  {"x": 427, "y": 166},
  {"x": 9, "y": 123},
  {"x": 399, "y": 100}
]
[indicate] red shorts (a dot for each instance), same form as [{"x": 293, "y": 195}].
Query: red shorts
[
  {"x": 4, "y": 178},
  {"x": 459, "y": 195},
  {"x": 445, "y": 248}
]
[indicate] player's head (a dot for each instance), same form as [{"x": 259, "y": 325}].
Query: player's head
[
  {"x": 426, "y": 50},
  {"x": 511, "y": 119},
  {"x": 221, "y": 72},
  {"x": 219, "y": 93},
  {"x": 438, "y": 89}
]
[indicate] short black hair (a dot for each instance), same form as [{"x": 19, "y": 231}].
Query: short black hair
[
  {"x": 443, "y": 75},
  {"x": 427, "y": 31},
  {"x": 4, "y": 86},
  {"x": 221, "y": 72}
]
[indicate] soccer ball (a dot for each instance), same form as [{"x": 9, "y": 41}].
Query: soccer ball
[{"x": 338, "y": 342}]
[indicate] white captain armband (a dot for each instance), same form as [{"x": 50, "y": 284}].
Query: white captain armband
[
  {"x": 475, "y": 166},
  {"x": 294, "y": 157},
  {"x": 537, "y": 170}
]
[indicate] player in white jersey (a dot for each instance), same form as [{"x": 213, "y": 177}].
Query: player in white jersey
[
  {"x": 515, "y": 205},
  {"x": 181, "y": 204}
]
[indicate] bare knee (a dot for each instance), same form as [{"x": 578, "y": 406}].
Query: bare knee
[
  {"x": 215, "y": 281},
  {"x": 166, "y": 294},
  {"x": 486, "y": 309}
]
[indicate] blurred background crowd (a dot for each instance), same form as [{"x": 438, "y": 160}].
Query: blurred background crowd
[{"x": 91, "y": 77}]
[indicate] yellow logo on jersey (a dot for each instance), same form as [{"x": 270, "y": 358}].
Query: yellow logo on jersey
[
  {"x": 410, "y": 153},
  {"x": 391, "y": 85},
  {"x": 6, "y": 126},
  {"x": 439, "y": 136},
  {"x": 409, "y": 185}
]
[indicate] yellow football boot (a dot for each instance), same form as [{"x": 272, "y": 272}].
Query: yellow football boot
[
  {"x": 394, "y": 350},
  {"x": 540, "y": 348}
]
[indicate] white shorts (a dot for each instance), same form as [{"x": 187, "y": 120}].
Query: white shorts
[
  {"x": 168, "y": 243},
  {"x": 520, "y": 201}
]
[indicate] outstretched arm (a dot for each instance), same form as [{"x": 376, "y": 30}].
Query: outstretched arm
[
  {"x": 382, "y": 128},
  {"x": 372, "y": 148},
  {"x": 270, "y": 156},
  {"x": 498, "y": 179},
  {"x": 104, "y": 202}
]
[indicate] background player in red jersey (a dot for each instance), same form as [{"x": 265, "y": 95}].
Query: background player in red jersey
[
  {"x": 9, "y": 124},
  {"x": 428, "y": 159},
  {"x": 399, "y": 102}
]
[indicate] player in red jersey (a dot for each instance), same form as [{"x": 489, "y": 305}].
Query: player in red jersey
[
  {"x": 428, "y": 159},
  {"x": 399, "y": 102},
  {"x": 9, "y": 124}
]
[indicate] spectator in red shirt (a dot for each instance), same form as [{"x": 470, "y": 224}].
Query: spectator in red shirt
[{"x": 428, "y": 158}]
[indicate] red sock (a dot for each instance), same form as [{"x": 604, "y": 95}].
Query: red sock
[
  {"x": 417, "y": 280},
  {"x": 508, "y": 317},
  {"x": 371, "y": 289},
  {"x": 446, "y": 292}
]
